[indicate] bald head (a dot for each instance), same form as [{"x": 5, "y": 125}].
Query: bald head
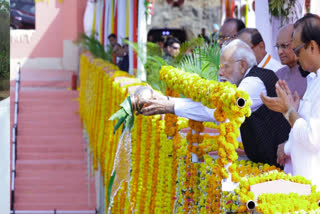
[
  {"x": 229, "y": 29},
  {"x": 285, "y": 46},
  {"x": 286, "y": 32}
]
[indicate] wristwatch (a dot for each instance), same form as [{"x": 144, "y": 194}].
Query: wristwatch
[{"x": 287, "y": 114}]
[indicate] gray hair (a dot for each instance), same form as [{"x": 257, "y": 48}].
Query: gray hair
[{"x": 241, "y": 51}]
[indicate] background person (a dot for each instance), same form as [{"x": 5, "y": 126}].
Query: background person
[
  {"x": 229, "y": 30},
  {"x": 123, "y": 63},
  {"x": 204, "y": 36},
  {"x": 303, "y": 145},
  {"x": 253, "y": 38},
  {"x": 290, "y": 73},
  {"x": 112, "y": 40},
  {"x": 172, "y": 49},
  {"x": 215, "y": 32}
]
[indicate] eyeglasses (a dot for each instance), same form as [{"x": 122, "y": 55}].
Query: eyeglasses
[
  {"x": 283, "y": 46},
  {"x": 225, "y": 38},
  {"x": 297, "y": 49}
]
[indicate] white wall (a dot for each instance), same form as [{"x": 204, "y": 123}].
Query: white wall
[{"x": 5, "y": 156}]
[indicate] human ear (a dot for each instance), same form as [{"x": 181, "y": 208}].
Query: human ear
[
  {"x": 314, "y": 46},
  {"x": 244, "y": 66}
]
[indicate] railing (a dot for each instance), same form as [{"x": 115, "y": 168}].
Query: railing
[
  {"x": 14, "y": 137},
  {"x": 14, "y": 158},
  {"x": 53, "y": 211}
]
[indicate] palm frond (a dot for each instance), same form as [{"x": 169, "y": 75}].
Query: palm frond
[
  {"x": 152, "y": 67},
  {"x": 154, "y": 49},
  {"x": 203, "y": 61},
  {"x": 211, "y": 53},
  {"x": 187, "y": 46},
  {"x": 191, "y": 64},
  {"x": 152, "y": 62},
  {"x": 138, "y": 49},
  {"x": 95, "y": 47}
]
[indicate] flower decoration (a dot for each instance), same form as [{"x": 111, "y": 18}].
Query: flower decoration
[
  {"x": 163, "y": 179},
  {"x": 221, "y": 96},
  {"x": 149, "y": 5}
]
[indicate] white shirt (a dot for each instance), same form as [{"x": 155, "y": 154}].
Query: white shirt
[
  {"x": 304, "y": 139},
  {"x": 196, "y": 111},
  {"x": 270, "y": 63}
]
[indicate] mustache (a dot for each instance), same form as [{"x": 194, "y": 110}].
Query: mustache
[{"x": 223, "y": 79}]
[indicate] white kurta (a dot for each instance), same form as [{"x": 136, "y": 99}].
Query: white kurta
[
  {"x": 196, "y": 111},
  {"x": 271, "y": 64},
  {"x": 304, "y": 139}
]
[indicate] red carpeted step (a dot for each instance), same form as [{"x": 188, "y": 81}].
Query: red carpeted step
[
  {"x": 52, "y": 156},
  {"x": 27, "y": 131},
  {"x": 51, "y": 140},
  {"x": 45, "y": 205}
]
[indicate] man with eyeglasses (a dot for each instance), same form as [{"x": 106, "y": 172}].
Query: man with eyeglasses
[
  {"x": 172, "y": 49},
  {"x": 229, "y": 30},
  {"x": 290, "y": 73},
  {"x": 264, "y": 130},
  {"x": 303, "y": 145},
  {"x": 253, "y": 38}
]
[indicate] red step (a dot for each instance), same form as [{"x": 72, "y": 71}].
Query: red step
[{"x": 51, "y": 170}]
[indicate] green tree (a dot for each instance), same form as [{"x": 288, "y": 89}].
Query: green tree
[{"x": 4, "y": 39}]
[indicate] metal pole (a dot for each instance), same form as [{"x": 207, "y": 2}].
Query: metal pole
[
  {"x": 14, "y": 139},
  {"x": 53, "y": 211}
]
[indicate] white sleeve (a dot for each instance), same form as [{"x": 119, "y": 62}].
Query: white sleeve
[
  {"x": 193, "y": 110},
  {"x": 254, "y": 86},
  {"x": 306, "y": 132}
]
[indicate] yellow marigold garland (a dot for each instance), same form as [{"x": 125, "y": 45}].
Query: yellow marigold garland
[
  {"x": 154, "y": 186},
  {"x": 221, "y": 96},
  {"x": 196, "y": 185},
  {"x": 135, "y": 163}
]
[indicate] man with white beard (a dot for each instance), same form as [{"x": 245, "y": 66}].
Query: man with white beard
[{"x": 264, "y": 130}]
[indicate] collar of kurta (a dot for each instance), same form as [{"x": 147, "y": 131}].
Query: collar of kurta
[{"x": 264, "y": 62}]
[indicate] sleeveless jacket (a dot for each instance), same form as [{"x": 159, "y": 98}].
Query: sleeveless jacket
[{"x": 265, "y": 129}]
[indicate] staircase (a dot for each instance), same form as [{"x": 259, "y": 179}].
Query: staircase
[{"x": 51, "y": 169}]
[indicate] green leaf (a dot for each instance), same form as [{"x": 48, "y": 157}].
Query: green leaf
[
  {"x": 119, "y": 114},
  {"x": 129, "y": 121},
  {"x": 137, "y": 48},
  {"x": 120, "y": 121},
  {"x": 126, "y": 105},
  {"x": 95, "y": 47},
  {"x": 188, "y": 45},
  {"x": 204, "y": 61},
  {"x": 124, "y": 114},
  {"x": 110, "y": 185}
]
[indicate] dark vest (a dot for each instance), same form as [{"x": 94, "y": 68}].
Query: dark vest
[{"x": 264, "y": 130}]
